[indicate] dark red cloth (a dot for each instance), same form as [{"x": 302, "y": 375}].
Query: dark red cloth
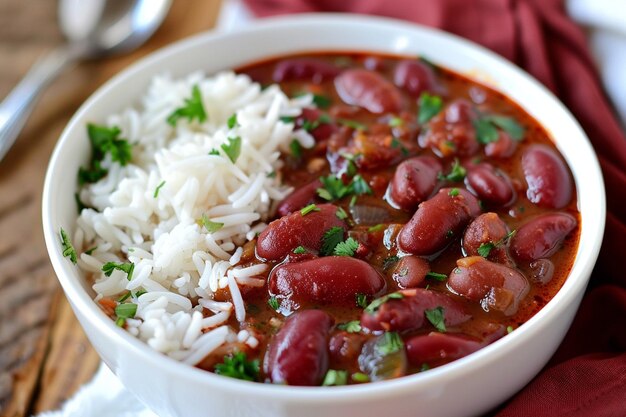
[{"x": 587, "y": 375}]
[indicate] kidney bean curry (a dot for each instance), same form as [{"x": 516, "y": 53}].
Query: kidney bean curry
[{"x": 432, "y": 217}]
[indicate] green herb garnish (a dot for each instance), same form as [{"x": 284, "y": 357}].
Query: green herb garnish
[
  {"x": 436, "y": 276},
  {"x": 232, "y": 121},
  {"x": 352, "y": 124},
  {"x": 429, "y": 106},
  {"x": 127, "y": 267},
  {"x": 296, "y": 149},
  {"x": 341, "y": 214},
  {"x": 299, "y": 250},
  {"x": 309, "y": 209},
  {"x": 487, "y": 128},
  {"x": 353, "y": 326},
  {"x": 361, "y": 300},
  {"x": 322, "y": 102},
  {"x": 90, "y": 250},
  {"x": 436, "y": 317},
  {"x": 376, "y": 228},
  {"x": 375, "y": 305},
  {"x": 68, "y": 248},
  {"x": 273, "y": 303},
  {"x": 485, "y": 248},
  {"x": 232, "y": 148},
  {"x": 192, "y": 109},
  {"x": 346, "y": 248},
  {"x": 391, "y": 342},
  {"x": 457, "y": 173},
  {"x": 453, "y": 192},
  {"x": 158, "y": 188},
  {"x": 389, "y": 261},
  {"x": 396, "y": 122},
  {"x": 360, "y": 377},
  {"x": 239, "y": 367},
  {"x": 104, "y": 140},
  {"x": 210, "y": 226},
  {"x": 332, "y": 237}
]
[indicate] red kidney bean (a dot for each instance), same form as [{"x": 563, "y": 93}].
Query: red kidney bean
[
  {"x": 495, "y": 286},
  {"x": 542, "y": 270},
  {"x": 436, "y": 348},
  {"x": 414, "y": 181},
  {"x": 490, "y": 185},
  {"x": 549, "y": 182},
  {"x": 437, "y": 221},
  {"x": 298, "y": 354},
  {"x": 504, "y": 147},
  {"x": 299, "y": 198},
  {"x": 542, "y": 236},
  {"x": 451, "y": 132},
  {"x": 380, "y": 365},
  {"x": 410, "y": 271},
  {"x": 323, "y": 131},
  {"x": 345, "y": 346},
  {"x": 304, "y": 69},
  {"x": 407, "y": 313},
  {"x": 281, "y": 236},
  {"x": 487, "y": 229},
  {"x": 368, "y": 89},
  {"x": 331, "y": 280},
  {"x": 415, "y": 77}
]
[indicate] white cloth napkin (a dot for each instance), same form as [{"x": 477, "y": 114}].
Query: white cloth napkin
[{"x": 105, "y": 396}]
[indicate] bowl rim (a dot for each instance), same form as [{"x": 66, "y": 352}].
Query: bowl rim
[{"x": 80, "y": 299}]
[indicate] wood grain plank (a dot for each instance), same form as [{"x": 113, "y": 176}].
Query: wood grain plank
[{"x": 44, "y": 355}]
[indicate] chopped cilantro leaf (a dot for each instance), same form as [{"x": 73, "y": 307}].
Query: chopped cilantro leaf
[
  {"x": 296, "y": 149},
  {"x": 239, "y": 367},
  {"x": 425, "y": 367},
  {"x": 126, "y": 311},
  {"x": 210, "y": 226},
  {"x": 375, "y": 305},
  {"x": 128, "y": 267},
  {"x": 333, "y": 188},
  {"x": 486, "y": 131},
  {"x": 322, "y": 102},
  {"x": 346, "y": 248},
  {"x": 485, "y": 249},
  {"x": 80, "y": 206},
  {"x": 68, "y": 248},
  {"x": 271, "y": 174},
  {"x": 90, "y": 250},
  {"x": 299, "y": 250},
  {"x": 436, "y": 276},
  {"x": 341, "y": 214},
  {"x": 192, "y": 109},
  {"x": 361, "y": 300},
  {"x": 509, "y": 329},
  {"x": 360, "y": 186},
  {"x": 457, "y": 173},
  {"x": 331, "y": 239},
  {"x": 390, "y": 342},
  {"x": 376, "y": 228},
  {"x": 273, "y": 303},
  {"x": 353, "y": 326},
  {"x": 287, "y": 119},
  {"x": 309, "y": 209},
  {"x": 509, "y": 125},
  {"x": 232, "y": 121},
  {"x": 436, "y": 317},
  {"x": 334, "y": 377},
  {"x": 104, "y": 140},
  {"x": 453, "y": 192},
  {"x": 232, "y": 148},
  {"x": 429, "y": 106},
  {"x": 214, "y": 152},
  {"x": 158, "y": 188}
]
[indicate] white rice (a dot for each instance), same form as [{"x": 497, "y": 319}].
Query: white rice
[{"x": 176, "y": 262}]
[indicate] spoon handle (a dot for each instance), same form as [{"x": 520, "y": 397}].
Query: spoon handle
[{"x": 17, "y": 106}]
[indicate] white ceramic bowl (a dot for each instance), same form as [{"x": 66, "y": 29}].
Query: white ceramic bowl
[{"x": 465, "y": 387}]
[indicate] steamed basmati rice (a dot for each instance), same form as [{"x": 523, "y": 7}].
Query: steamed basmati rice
[{"x": 176, "y": 262}]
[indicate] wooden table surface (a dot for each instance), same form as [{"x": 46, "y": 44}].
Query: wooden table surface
[{"x": 44, "y": 355}]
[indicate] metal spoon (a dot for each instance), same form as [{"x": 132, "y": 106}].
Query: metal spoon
[{"x": 94, "y": 29}]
